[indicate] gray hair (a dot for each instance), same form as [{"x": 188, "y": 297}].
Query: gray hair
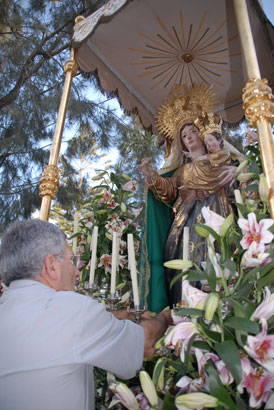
[{"x": 24, "y": 247}]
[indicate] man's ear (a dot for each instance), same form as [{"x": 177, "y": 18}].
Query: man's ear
[{"x": 51, "y": 267}]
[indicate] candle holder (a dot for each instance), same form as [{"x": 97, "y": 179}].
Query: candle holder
[
  {"x": 112, "y": 300},
  {"x": 138, "y": 312},
  {"x": 90, "y": 289}
]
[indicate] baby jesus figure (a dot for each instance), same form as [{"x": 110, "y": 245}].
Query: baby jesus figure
[{"x": 217, "y": 155}]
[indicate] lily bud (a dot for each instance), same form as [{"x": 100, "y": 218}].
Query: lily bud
[
  {"x": 125, "y": 395},
  {"x": 123, "y": 207},
  {"x": 211, "y": 305},
  {"x": 101, "y": 211},
  {"x": 263, "y": 189},
  {"x": 88, "y": 239},
  {"x": 178, "y": 264},
  {"x": 160, "y": 343},
  {"x": 108, "y": 236},
  {"x": 88, "y": 214},
  {"x": 241, "y": 166},
  {"x": 98, "y": 177},
  {"x": 245, "y": 177},
  {"x": 196, "y": 401},
  {"x": 226, "y": 225},
  {"x": 201, "y": 231},
  {"x": 126, "y": 177},
  {"x": 148, "y": 388},
  {"x": 161, "y": 379}
]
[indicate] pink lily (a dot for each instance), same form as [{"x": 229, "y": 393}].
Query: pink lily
[
  {"x": 254, "y": 231},
  {"x": 179, "y": 336},
  {"x": 254, "y": 256},
  {"x": 105, "y": 261},
  {"x": 257, "y": 382},
  {"x": 261, "y": 347},
  {"x": 213, "y": 220},
  {"x": 130, "y": 186},
  {"x": 266, "y": 308},
  {"x": 225, "y": 376},
  {"x": 193, "y": 297}
]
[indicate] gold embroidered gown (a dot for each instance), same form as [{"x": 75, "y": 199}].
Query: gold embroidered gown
[{"x": 192, "y": 186}]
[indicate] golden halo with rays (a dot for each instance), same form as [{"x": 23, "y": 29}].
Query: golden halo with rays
[
  {"x": 184, "y": 104},
  {"x": 178, "y": 56}
]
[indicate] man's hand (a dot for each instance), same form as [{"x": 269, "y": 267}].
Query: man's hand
[{"x": 154, "y": 329}]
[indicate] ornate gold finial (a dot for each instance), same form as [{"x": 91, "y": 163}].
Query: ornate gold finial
[
  {"x": 49, "y": 181},
  {"x": 208, "y": 123},
  {"x": 182, "y": 105},
  {"x": 258, "y": 101}
]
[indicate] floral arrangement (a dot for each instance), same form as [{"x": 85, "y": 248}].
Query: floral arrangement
[
  {"x": 111, "y": 209},
  {"x": 219, "y": 353}
]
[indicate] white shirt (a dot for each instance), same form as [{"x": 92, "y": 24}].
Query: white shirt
[{"x": 50, "y": 342}]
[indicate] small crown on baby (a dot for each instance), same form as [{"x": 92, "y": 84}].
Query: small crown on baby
[{"x": 208, "y": 123}]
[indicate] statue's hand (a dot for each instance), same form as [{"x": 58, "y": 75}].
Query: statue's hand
[
  {"x": 228, "y": 174},
  {"x": 146, "y": 167}
]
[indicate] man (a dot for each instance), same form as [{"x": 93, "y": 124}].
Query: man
[{"x": 51, "y": 337}]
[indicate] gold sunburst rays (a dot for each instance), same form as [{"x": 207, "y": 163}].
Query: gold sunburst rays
[{"x": 185, "y": 55}]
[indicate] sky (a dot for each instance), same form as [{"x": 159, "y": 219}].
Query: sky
[{"x": 268, "y": 6}]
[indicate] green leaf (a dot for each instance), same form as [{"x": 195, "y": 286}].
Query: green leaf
[
  {"x": 266, "y": 280},
  {"x": 240, "y": 323},
  {"x": 168, "y": 403},
  {"x": 194, "y": 276},
  {"x": 211, "y": 231},
  {"x": 215, "y": 336},
  {"x": 228, "y": 352},
  {"x": 158, "y": 369},
  {"x": 217, "y": 389},
  {"x": 176, "y": 278},
  {"x": 231, "y": 266},
  {"x": 190, "y": 312},
  {"x": 201, "y": 345},
  {"x": 243, "y": 209},
  {"x": 211, "y": 275}
]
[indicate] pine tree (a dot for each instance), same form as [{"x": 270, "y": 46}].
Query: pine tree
[{"x": 34, "y": 46}]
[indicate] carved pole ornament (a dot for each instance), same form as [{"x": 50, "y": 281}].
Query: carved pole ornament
[
  {"x": 50, "y": 178},
  {"x": 257, "y": 97}
]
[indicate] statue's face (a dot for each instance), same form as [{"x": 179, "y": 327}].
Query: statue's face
[
  {"x": 191, "y": 139},
  {"x": 212, "y": 143}
]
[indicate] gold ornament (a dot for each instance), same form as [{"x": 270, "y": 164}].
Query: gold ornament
[
  {"x": 184, "y": 104},
  {"x": 208, "y": 123},
  {"x": 49, "y": 181},
  {"x": 258, "y": 101}
]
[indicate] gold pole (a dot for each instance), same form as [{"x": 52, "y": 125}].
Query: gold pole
[
  {"x": 50, "y": 178},
  {"x": 257, "y": 97}
]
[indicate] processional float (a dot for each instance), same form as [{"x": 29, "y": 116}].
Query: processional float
[{"x": 139, "y": 49}]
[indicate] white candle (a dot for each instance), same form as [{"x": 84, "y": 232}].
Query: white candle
[
  {"x": 239, "y": 200},
  {"x": 186, "y": 244},
  {"x": 132, "y": 266},
  {"x": 113, "y": 263},
  {"x": 75, "y": 230},
  {"x": 93, "y": 248},
  {"x": 118, "y": 250}
]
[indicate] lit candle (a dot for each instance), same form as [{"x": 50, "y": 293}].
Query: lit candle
[
  {"x": 75, "y": 230},
  {"x": 132, "y": 266},
  {"x": 239, "y": 200},
  {"x": 113, "y": 263},
  {"x": 186, "y": 244},
  {"x": 93, "y": 248}
]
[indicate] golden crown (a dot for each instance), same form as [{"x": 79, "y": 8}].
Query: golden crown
[
  {"x": 184, "y": 104},
  {"x": 208, "y": 123}
]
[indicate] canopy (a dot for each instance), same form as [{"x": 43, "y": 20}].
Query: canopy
[{"x": 139, "y": 49}]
